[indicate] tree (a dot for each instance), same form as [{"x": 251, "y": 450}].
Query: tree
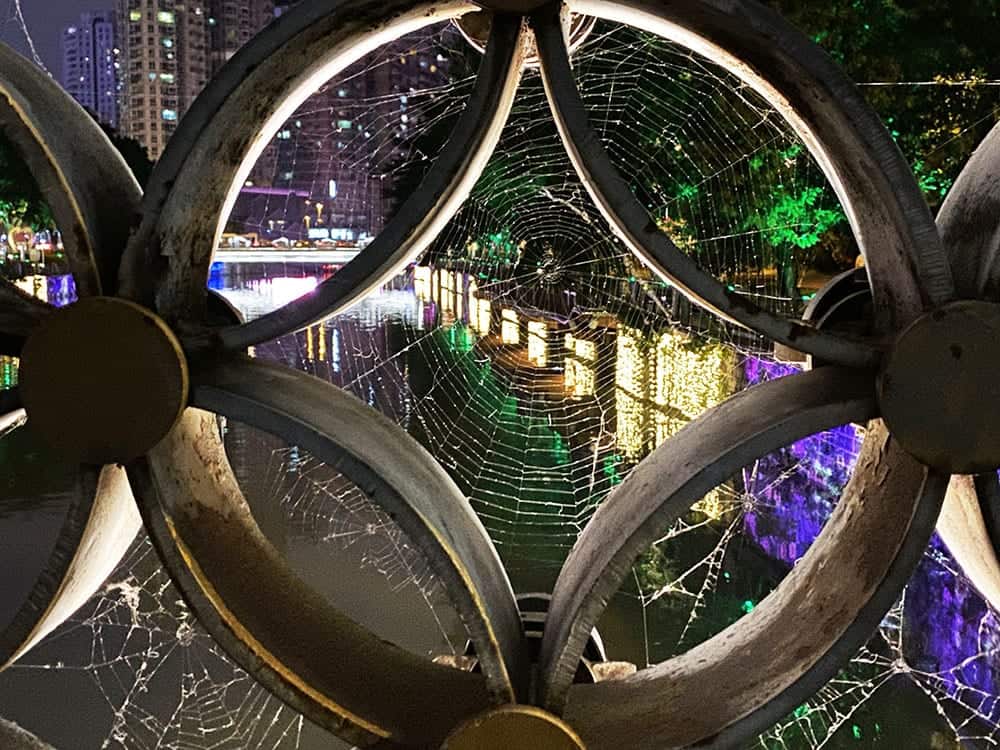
[{"x": 21, "y": 201}]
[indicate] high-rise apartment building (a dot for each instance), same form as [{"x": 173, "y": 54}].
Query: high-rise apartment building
[
  {"x": 90, "y": 64},
  {"x": 233, "y": 23},
  {"x": 331, "y": 169},
  {"x": 171, "y": 48},
  {"x": 165, "y": 66}
]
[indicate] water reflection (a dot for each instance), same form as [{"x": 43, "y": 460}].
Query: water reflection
[{"x": 539, "y": 415}]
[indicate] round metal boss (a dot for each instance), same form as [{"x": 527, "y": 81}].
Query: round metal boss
[
  {"x": 939, "y": 392},
  {"x": 523, "y": 727},
  {"x": 103, "y": 380}
]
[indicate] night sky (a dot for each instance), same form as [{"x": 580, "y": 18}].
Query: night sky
[{"x": 46, "y": 20}]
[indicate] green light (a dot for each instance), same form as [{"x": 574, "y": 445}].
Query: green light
[
  {"x": 747, "y": 607},
  {"x": 801, "y": 711},
  {"x": 856, "y": 731}
]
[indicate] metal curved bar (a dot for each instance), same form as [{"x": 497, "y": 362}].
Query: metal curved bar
[
  {"x": 726, "y": 690},
  {"x": 968, "y": 223},
  {"x": 91, "y": 190},
  {"x": 356, "y": 685},
  {"x": 99, "y": 527},
  {"x": 11, "y": 414},
  {"x": 662, "y": 488},
  {"x": 967, "y": 526},
  {"x": 907, "y": 266},
  {"x": 988, "y": 493},
  {"x": 970, "y": 518},
  {"x": 424, "y": 214},
  {"x": 13, "y": 737},
  {"x": 195, "y": 186}
]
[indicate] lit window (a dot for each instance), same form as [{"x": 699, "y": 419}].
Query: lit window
[
  {"x": 168, "y": 43},
  {"x": 341, "y": 92},
  {"x": 167, "y": 77},
  {"x": 333, "y": 188},
  {"x": 166, "y": 17},
  {"x": 170, "y": 115},
  {"x": 284, "y": 135},
  {"x": 509, "y": 329},
  {"x": 152, "y": 76},
  {"x": 135, "y": 15},
  {"x": 344, "y": 124}
]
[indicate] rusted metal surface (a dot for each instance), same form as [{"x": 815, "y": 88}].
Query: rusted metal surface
[
  {"x": 970, "y": 229},
  {"x": 112, "y": 357},
  {"x": 906, "y": 263},
  {"x": 969, "y": 223},
  {"x": 12, "y": 737},
  {"x": 208, "y": 159},
  {"x": 94, "y": 199},
  {"x": 475, "y": 27},
  {"x": 668, "y": 482},
  {"x": 422, "y": 216},
  {"x": 403, "y": 478},
  {"x": 244, "y": 592},
  {"x": 87, "y": 184},
  {"x": 723, "y": 692},
  {"x": 938, "y": 389},
  {"x": 312, "y": 655},
  {"x": 522, "y": 727}
]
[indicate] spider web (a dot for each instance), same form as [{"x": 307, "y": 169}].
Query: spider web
[{"x": 539, "y": 363}]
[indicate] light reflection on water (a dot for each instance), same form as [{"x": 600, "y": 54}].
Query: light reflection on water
[
  {"x": 535, "y": 453},
  {"x": 369, "y": 350}
]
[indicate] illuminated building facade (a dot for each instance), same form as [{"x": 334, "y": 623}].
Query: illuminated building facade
[
  {"x": 91, "y": 71},
  {"x": 233, "y": 23},
  {"x": 664, "y": 381},
  {"x": 166, "y": 64},
  {"x": 340, "y": 147}
]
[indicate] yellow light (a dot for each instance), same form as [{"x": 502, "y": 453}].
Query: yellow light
[
  {"x": 580, "y": 368},
  {"x": 422, "y": 282},
  {"x": 538, "y": 343},
  {"x": 632, "y": 376},
  {"x": 322, "y": 342},
  {"x": 473, "y": 306},
  {"x": 689, "y": 380},
  {"x": 510, "y": 332},
  {"x": 446, "y": 290},
  {"x": 484, "y": 317},
  {"x": 310, "y": 345},
  {"x": 36, "y": 286}
]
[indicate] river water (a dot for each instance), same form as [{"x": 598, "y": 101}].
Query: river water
[{"x": 537, "y": 414}]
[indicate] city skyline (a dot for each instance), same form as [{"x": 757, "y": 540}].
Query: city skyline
[{"x": 46, "y": 21}]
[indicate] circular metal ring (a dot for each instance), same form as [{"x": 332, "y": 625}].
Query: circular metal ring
[{"x": 207, "y": 537}]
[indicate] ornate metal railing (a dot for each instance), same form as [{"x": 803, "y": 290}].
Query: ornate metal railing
[{"x": 141, "y": 262}]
